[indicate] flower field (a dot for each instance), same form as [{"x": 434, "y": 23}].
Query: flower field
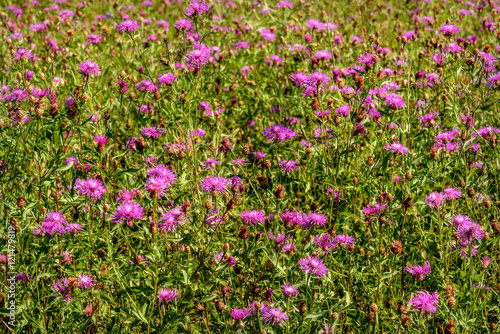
[{"x": 250, "y": 167}]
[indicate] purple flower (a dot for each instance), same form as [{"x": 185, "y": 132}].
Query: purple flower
[
  {"x": 435, "y": 200},
  {"x": 146, "y": 86},
  {"x": 198, "y": 57},
  {"x": 196, "y": 7},
  {"x": 214, "y": 183},
  {"x": 171, "y": 219},
  {"x": 53, "y": 222},
  {"x": 166, "y": 79},
  {"x": 239, "y": 313},
  {"x": 419, "y": 271},
  {"x": 128, "y": 212},
  {"x": 253, "y": 217},
  {"x": 127, "y": 26},
  {"x": 394, "y": 101},
  {"x": 289, "y": 290},
  {"x": 267, "y": 35},
  {"x": 17, "y": 95},
  {"x": 210, "y": 163},
  {"x": 284, "y": 4},
  {"x": 274, "y": 316},
  {"x": 449, "y": 29},
  {"x": 166, "y": 295},
  {"x": 92, "y": 188},
  {"x": 279, "y": 133},
  {"x": 452, "y": 193},
  {"x": 288, "y": 166},
  {"x": 152, "y": 132},
  {"x": 313, "y": 265},
  {"x": 85, "y": 281},
  {"x": 164, "y": 172},
  {"x": 156, "y": 186},
  {"x": 314, "y": 218},
  {"x": 94, "y": 38},
  {"x": 183, "y": 24},
  {"x": 89, "y": 68},
  {"x": 396, "y": 148},
  {"x": 343, "y": 110},
  {"x": 425, "y": 302},
  {"x": 374, "y": 209}
]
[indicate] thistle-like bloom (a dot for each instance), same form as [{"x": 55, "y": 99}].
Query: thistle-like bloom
[
  {"x": 239, "y": 313},
  {"x": 90, "y": 68},
  {"x": 374, "y": 209},
  {"x": 94, "y": 38},
  {"x": 127, "y": 26},
  {"x": 198, "y": 57},
  {"x": 343, "y": 110},
  {"x": 288, "y": 166},
  {"x": 267, "y": 35},
  {"x": 53, "y": 222},
  {"x": 183, "y": 24},
  {"x": 165, "y": 173},
  {"x": 274, "y": 316},
  {"x": 290, "y": 218},
  {"x": 396, "y": 148},
  {"x": 171, "y": 219},
  {"x": 63, "y": 288},
  {"x": 146, "y": 86},
  {"x": 85, "y": 281},
  {"x": 425, "y": 302},
  {"x": 279, "y": 133},
  {"x": 101, "y": 140},
  {"x": 196, "y": 7},
  {"x": 394, "y": 101},
  {"x": 419, "y": 271},
  {"x": 17, "y": 95},
  {"x": 313, "y": 265},
  {"x": 289, "y": 290},
  {"x": 452, "y": 193},
  {"x": 214, "y": 183},
  {"x": 156, "y": 186},
  {"x": 435, "y": 200},
  {"x": 449, "y": 29},
  {"x": 284, "y": 4},
  {"x": 92, "y": 188},
  {"x": 166, "y": 79},
  {"x": 166, "y": 295},
  {"x": 314, "y": 218},
  {"x": 128, "y": 212},
  {"x": 253, "y": 217},
  {"x": 152, "y": 132}
]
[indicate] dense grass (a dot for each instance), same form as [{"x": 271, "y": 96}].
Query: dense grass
[{"x": 284, "y": 167}]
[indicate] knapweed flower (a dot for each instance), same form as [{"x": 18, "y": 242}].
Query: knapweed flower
[
  {"x": 284, "y": 4},
  {"x": 94, "y": 38},
  {"x": 92, "y": 188},
  {"x": 314, "y": 218},
  {"x": 152, "y": 132},
  {"x": 435, "y": 200},
  {"x": 198, "y": 57},
  {"x": 274, "y": 316},
  {"x": 156, "y": 186},
  {"x": 396, "y": 148},
  {"x": 288, "y": 166},
  {"x": 343, "y": 110},
  {"x": 167, "y": 295},
  {"x": 128, "y": 212},
  {"x": 214, "y": 183},
  {"x": 425, "y": 302},
  {"x": 267, "y": 35},
  {"x": 183, "y": 24},
  {"x": 253, "y": 217},
  {"x": 210, "y": 163},
  {"x": 394, "y": 101},
  {"x": 239, "y": 313},
  {"x": 63, "y": 287},
  {"x": 289, "y": 290},
  {"x": 313, "y": 265},
  {"x": 127, "y": 26},
  {"x": 279, "y": 133},
  {"x": 170, "y": 220},
  {"x": 146, "y": 86},
  {"x": 166, "y": 79},
  {"x": 419, "y": 271},
  {"x": 53, "y": 222},
  {"x": 452, "y": 193},
  {"x": 196, "y": 8},
  {"x": 85, "y": 281},
  {"x": 165, "y": 173},
  {"x": 90, "y": 68},
  {"x": 374, "y": 209},
  {"x": 449, "y": 29}
]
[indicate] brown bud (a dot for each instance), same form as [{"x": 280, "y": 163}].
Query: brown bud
[{"x": 303, "y": 307}]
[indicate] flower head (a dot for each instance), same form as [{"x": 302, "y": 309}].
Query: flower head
[
  {"x": 425, "y": 302},
  {"x": 313, "y": 265},
  {"x": 92, "y": 188},
  {"x": 166, "y": 295},
  {"x": 127, "y": 26}
]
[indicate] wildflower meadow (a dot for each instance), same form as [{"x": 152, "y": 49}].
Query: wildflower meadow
[{"x": 219, "y": 166}]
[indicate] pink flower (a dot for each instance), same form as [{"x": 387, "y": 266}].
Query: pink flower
[
  {"x": 425, "y": 302},
  {"x": 90, "y": 68},
  {"x": 396, "y": 148},
  {"x": 313, "y": 265},
  {"x": 166, "y": 295},
  {"x": 127, "y": 26},
  {"x": 419, "y": 271}
]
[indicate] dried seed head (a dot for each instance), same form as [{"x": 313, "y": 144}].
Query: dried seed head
[
  {"x": 208, "y": 204},
  {"x": 396, "y": 247},
  {"x": 374, "y": 308},
  {"x": 101, "y": 253},
  {"x": 303, "y": 307},
  {"x": 451, "y": 302},
  {"x": 405, "y": 321}
]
